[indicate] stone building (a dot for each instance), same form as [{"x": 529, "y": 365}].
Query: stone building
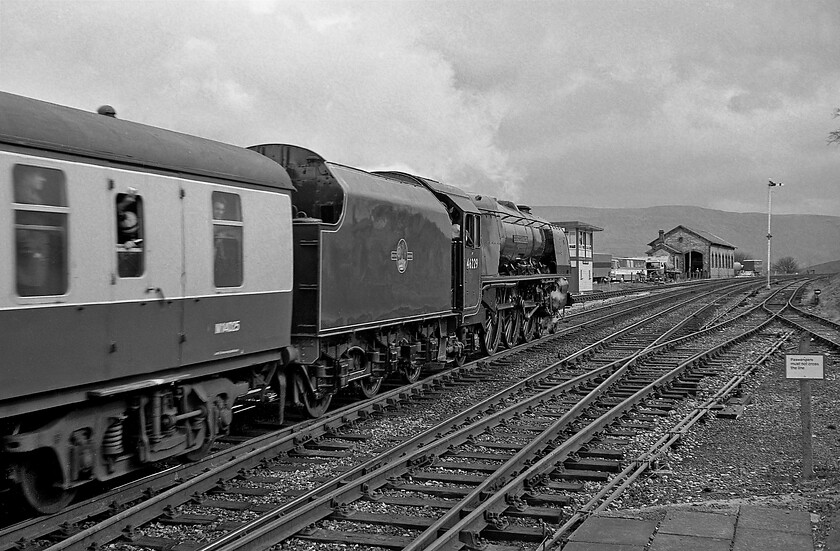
[{"x": 690, "y": 253}]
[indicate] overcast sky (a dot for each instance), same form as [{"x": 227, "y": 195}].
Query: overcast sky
[{"x": 586, "y": 103}]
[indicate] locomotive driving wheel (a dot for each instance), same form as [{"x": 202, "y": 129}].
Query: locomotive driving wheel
[
  {"x": 490, "y": 334},
  {"x": 512, "y": 327},
  {"x": 40, "y": 478},
  {"x": 532, "y": 326}
]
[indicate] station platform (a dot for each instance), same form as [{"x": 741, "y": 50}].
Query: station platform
[{"x": 736, "y": 528}]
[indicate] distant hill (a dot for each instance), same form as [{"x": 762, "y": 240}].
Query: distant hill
[
  {"x": 809, "y": 238},
  {"x": 826, "y": 268}
]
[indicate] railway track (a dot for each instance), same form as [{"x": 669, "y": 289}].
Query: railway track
[
  {"x": 825, "y": 331},
  {"x": 518, "y": 464},
  {"x": 167, "y": 490}
]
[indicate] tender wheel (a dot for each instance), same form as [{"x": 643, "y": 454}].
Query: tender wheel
[
  {"x": 368, "y": 387},
  {"x": 316, "y": 407},
  {"x": 410, "y": 373},
  {"x": 312, "y": 406},
  {"x": 490, "y": 334},
  {"x": 40, "y": 478}
]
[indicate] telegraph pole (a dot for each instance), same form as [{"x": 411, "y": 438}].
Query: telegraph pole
[{"x": 770, "y": 187}]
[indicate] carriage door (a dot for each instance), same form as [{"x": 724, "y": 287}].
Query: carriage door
[
  {"x": 472, "y": 264},
  {"x": 147, "y": 263}
]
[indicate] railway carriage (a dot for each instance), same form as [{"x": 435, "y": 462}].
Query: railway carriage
[{"x": 146, "y": 284}]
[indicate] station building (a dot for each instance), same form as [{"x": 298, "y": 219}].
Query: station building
[
  {"x": 690, "y": 254},
  {"x": 581, "y": 244}
]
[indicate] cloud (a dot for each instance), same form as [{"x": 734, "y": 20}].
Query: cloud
[{"x": 577, "y": 102}]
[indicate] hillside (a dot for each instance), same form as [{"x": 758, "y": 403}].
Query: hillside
[
  {"x": 827, "y": 268},
  {"x": 810, "y": 239},
  {"x": 828, "y": 305}
]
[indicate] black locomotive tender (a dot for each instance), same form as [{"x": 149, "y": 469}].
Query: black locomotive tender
[{"x": 153, "y": 278}]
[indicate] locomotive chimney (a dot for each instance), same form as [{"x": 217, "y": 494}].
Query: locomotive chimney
[{"x": 108, "y": 111}]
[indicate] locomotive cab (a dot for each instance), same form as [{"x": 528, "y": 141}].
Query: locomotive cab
[{"x": 467, "y": 262}]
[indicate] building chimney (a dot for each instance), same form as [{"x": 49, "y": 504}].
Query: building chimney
[{"x": 662, "y": 235}]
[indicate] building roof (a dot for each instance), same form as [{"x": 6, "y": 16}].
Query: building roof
[
  {"x": 578, "y": 225},
  {"x": 664, "y": 247},
  {"x": 710, "y": 237}
]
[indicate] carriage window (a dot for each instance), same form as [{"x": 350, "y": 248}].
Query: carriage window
[
  {"x": 40, "y": 230},
  {"x": 227, "y": 239},
  {"x": 130, "y": 243}
]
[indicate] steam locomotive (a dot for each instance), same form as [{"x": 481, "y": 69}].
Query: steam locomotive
[{"x": 153, "y": 279}]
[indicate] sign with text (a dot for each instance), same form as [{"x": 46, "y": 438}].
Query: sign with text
[{"x": 804, "y": 366}]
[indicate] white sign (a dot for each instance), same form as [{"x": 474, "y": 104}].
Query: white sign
[{"x": 804, "y": 366}]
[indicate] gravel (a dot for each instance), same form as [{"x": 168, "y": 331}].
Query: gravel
[
  {"x": 757, "y": 458},
  {"x": 753, "y": 459}
]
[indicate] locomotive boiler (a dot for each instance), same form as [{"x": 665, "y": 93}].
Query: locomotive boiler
[{"x": 525, "y": 277}]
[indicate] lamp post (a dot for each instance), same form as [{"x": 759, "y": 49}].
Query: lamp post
[{"x": 770, "y": 187}]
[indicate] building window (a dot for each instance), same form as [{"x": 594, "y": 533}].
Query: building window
[
  {"x": 40, "y": 205},
  {"x": 227, "y": 239},
  {"x": 130, "y": 243}
]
